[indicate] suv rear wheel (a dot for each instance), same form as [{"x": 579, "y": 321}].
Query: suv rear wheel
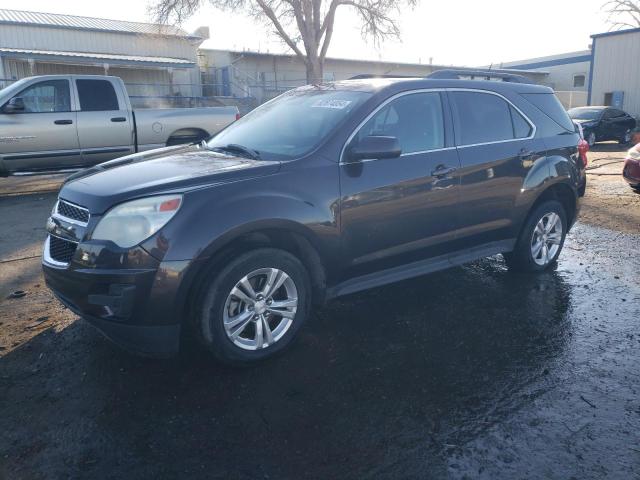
[
  {"x": 541, "y": 239},
  {"x": 253, "y": 308}
]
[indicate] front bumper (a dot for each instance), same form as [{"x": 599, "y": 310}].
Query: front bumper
[
  {"x": 132, "y": 298},
  {"x": 631, "y": 171}
]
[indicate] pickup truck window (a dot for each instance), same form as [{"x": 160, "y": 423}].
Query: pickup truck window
[
  {"x": 97, "y": 96},
  {"x": 293, "y": 124},
  {"x": 46, "y": 97},
  {"x": 415, "y": 120}
]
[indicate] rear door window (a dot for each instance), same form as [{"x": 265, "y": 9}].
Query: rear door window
[
  {"x": 97, "y": 96},
  {"x": 416, "y": 120},
  {"x": 485, "y": 118}
]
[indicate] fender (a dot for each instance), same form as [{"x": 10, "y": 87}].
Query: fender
[
  {"x": 212, "y": 217},
  {"x": 545, "y": 173}
]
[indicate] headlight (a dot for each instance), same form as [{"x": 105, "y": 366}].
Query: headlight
[{"x": 132, "y": 222}]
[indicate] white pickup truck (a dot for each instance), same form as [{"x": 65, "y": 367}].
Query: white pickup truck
[{"x": 65, "y": 122}]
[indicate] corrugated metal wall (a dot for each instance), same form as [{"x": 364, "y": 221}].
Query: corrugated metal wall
[
  {"x": 617, "y": 68},
  {"x": 62, "y": 39}
]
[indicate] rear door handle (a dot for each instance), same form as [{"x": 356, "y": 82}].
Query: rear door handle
[
  {"x": 118, "y": 119},
  {"x": 441, "y": 171},
  {"x": 63, "y": 122}
]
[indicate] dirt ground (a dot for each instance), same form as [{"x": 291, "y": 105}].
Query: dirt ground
[
  {"x": 609, "y": 202},
  {"x": 473, "y": 372}
]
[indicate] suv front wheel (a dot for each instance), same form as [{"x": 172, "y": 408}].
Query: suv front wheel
[
  {"x": 253, "y": 308},
  {"x": 541, "y": 239}
]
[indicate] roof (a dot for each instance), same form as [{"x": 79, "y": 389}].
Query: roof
[
  {"x": 616, "y": 32},
  {"x": 20, "y": 17},
  {"x": 111, "y": 58},
  {"x": 360, "y": 60},
  {"x": 568, "y": 58}
]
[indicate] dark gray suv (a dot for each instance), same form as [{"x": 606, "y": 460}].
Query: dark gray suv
[{"x": 324, "y": 191}]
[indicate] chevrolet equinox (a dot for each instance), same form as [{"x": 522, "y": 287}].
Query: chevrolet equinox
[{"x": 324, "y": 191}]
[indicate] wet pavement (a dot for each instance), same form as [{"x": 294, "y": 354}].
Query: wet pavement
[{"x": 474, "y": 372}]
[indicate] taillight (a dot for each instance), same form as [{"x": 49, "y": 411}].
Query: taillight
[
  {"x": 583, "y": 148},
  {"x": 238, "y": 116}
]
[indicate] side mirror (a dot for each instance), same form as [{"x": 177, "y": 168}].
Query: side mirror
[
  {"x": 16, "y": 104},
  {"x": 377, "y": 147}
]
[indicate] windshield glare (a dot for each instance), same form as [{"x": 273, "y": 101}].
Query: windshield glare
[
  {"x": 585, "y": 113},
  {"x": 291, "y": 125}
]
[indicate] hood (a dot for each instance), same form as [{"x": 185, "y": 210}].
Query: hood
[{"x": 171, "y": 169}]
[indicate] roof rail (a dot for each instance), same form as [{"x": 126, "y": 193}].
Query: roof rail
[{"x": 456, "y": 74}]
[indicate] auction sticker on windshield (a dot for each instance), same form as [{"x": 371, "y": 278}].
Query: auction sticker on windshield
[{"x": 338, "y": 104}]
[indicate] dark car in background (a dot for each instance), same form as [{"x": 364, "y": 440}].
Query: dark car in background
[
  {"x": 601, "y": 124},
  {"x": 324, "y": 191}
]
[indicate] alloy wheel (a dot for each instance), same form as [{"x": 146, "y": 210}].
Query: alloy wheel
[
  {"x": 546, "y": 239},
  {"x": 260, "y": 308},
  {"x": 591, "y": 139}
]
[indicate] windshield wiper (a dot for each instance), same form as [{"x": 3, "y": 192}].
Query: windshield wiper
[{"x": 234, "y": 147}]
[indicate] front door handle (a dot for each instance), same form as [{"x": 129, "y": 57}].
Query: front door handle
[
  {"x": 63, "y": 122},
  {"x": 118, "y": 119},
  {"x": 441, "y": 171}
]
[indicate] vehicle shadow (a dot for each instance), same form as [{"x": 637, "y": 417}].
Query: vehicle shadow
[{"x": 380, "y": 384}]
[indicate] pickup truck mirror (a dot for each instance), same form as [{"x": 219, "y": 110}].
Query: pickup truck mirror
[
  {"x": 377, "y": 147},
  {"x": 16, "y": 104}
]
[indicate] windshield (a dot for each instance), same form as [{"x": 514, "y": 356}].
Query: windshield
[
  {"x": 585, "y": 113},
  {"x": 291, "y": 125}
]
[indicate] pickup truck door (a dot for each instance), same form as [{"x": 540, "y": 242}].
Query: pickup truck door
[
  {"x": 405, "y": 207},
  {"x": 105, "y": 124},
  {"x": 43, "y": 135}
]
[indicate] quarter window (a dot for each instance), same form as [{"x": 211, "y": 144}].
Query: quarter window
[
  {"x": 416, "y": 120},
  {"x": 46, "y": 97},
  {"x": 521, "y": 128},
  {"x": 484, "y": 118},
  {"x": 97, "y": 96}
]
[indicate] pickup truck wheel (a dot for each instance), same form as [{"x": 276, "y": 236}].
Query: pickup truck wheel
[
  {"x": 541, "y": 239},
  {"x": 254, "y": 307}
]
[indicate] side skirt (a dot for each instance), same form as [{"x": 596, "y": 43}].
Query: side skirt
[{"x": 421, "y": 267}]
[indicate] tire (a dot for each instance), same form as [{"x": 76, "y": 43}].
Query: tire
[
  {"x": 522, "y": 258},
  {"x": 626, "y": 139},
  {"x": 218, "y": 308}
]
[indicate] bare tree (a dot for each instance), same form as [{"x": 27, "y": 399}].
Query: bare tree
[
  {"x": 305, "y": 26},
  {"x": 623, "y": 13}
]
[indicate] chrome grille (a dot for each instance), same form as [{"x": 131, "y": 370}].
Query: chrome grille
[
  {"x": 73, "y": 212},
  {"x": 61, "y": 250}
]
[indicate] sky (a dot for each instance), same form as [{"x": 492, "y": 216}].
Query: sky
[{"x": 462, "y": 32}]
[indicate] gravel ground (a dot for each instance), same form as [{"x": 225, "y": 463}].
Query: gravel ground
[{"x": 469, "y": 373}]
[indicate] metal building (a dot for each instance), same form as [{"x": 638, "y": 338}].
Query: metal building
[
  {"x": 156, "y": 62},
  {"x": 262, "y": 76},
  {"x": 568, "y": 74},
  {"x": 615, "y": 70}
]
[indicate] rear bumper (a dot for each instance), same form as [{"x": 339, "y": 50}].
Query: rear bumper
[{"x": 631, "y": 171}]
